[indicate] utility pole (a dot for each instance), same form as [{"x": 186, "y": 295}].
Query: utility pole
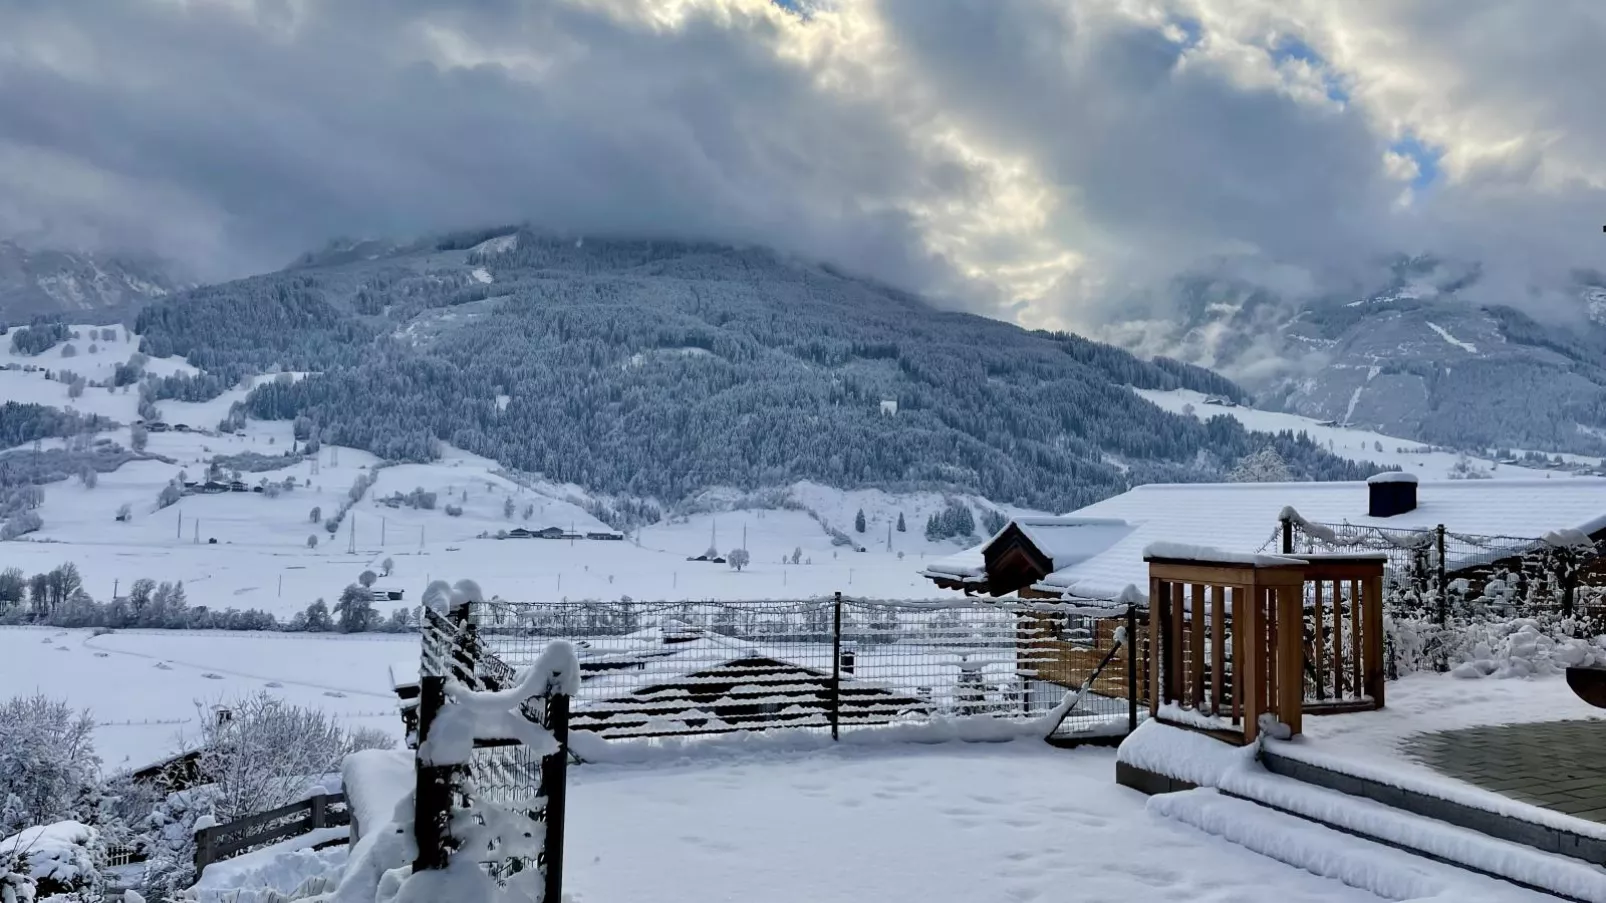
[
  {"x": 383, "y": 524},
  {"x": 281, "y": 584},
  {"x": 420, "y": 538},
  {"x": 115, "y": 583},
  {"x": 180, "y": 533},
  {"x": 351, "y": 536},
  {"x": 889, "y": 537},
  {"x": 197, "y": 524}
]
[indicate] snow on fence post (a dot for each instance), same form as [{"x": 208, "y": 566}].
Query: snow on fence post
[
  {"x": 836, "y": 668},
  {"x": 1442, "y": 588}
]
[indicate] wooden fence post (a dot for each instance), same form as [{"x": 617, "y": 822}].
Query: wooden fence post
[
  {"x": 203, "y": 850},
  {"x": 318, "y": 806}
]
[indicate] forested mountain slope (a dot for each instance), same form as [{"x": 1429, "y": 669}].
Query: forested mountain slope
[{"x": 657, "y": 369}]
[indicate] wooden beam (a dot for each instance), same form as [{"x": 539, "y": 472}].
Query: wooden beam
[
  {"x": 1218, "y": 646},
  {"x": 1320, "y": 647},
  {"x": 1157, "y": 631},
  {"x": 1196, "y": 637},
  {"x": 1177, "y": 691},
  {"x": 1291, "y": 655},
  {"x": 1374, "y": 639}
]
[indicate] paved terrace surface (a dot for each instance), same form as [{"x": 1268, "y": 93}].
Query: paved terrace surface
[{"x": 1555, "y": 764}]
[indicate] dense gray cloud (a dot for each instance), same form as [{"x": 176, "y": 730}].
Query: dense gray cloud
[{"x": 1042, "y": 159}]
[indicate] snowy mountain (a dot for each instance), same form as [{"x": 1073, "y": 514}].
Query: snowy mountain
[
  {"x": 38, "y": 281},
  {"x": 654, "y": 370},
  {"x": 1414, "y": 358}
]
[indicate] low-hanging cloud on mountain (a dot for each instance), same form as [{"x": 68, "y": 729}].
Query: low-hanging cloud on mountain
[{"x": 1054, "y": 162}]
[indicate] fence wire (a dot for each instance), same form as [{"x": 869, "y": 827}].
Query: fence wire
[
  {"x": 694, "y": 668},
  {"x": 1449, "y": 575}
]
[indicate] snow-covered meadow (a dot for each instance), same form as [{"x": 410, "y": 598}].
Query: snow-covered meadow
[{"x": 1355, "y": 443}]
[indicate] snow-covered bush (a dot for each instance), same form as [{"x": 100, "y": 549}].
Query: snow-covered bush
[
  {"x": 48, "y": 766},
  {"x": 61, "y": 860}
]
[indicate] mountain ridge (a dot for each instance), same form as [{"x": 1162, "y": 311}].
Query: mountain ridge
[{"x": 658, "y": 368}]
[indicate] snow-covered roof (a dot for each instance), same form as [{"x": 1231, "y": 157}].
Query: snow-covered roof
[
  {"x": 1065, "y": 539},
  {"x": 1068, "y": 540},
  {"x": 1242, "y": 517},
  {"x": 1393, "y": 476},
  {"x": 1178, "y": 551},
  {"x": 967, "y": 565}
]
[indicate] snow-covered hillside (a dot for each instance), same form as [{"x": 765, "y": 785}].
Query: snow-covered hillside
[{"x": 1359, "y": 444}]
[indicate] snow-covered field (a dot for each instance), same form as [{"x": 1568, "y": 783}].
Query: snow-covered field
[
  {"x": 143, "y": 687},
  {"x": 1351, "y": 442}
]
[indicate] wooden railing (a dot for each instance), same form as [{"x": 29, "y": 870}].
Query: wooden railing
[
  {"x": 236, "y": 837},
  {"x": 1232, "y": 641}
]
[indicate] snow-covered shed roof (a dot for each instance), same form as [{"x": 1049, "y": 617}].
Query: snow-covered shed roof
[
  {"x": 1064, "y": 540},
  {"x": 1243, "y": 517},
  {"x": 1070, "y": 539}
]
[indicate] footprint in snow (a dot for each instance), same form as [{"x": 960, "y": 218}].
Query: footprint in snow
[
  {"x": 210, "y": 676},
  {"x": 164, "y": 666}
]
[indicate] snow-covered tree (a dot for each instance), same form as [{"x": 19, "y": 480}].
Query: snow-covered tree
[
  {"x": 312, "y": 541},
  {"x": 169, "y": 495},
  {"x": 507, "y": 507},
  {"x": 89, "y": 477},
  {"x": 355, "y": 610},
  {"x": 738, "y": 558},
  {"x": 125, "y": 511},
  {"x": 387, "y": 566},
  {"x": 858, "y": 521},
  {"x": 797, "y": 554},
  {"x": 367, "y": 578},
  {"x": 318, "y": 620},
  {"x": 315, "y": 515},
  {"x": 1263, "y": 466},
  {"x": 138, "y": 437},
  {"x": 47, "y": 762},
  {"x": 901, "y": 527}
]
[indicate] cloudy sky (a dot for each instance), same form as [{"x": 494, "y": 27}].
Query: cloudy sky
[{"x": 1037, "y": 159}]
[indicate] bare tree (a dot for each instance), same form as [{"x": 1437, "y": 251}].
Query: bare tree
[
  {"x": 267, "y": 752},
  {"x": 315, "y": 516},
  {"x": 738, "y": 558},
  {"x": 312, "y": 541},
  {"x": 367, "y": 578},
  {"x": 138, "y": 436}
]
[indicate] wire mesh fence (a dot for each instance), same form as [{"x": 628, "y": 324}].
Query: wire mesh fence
[
  {"x": 1443, "y": 574},
  {"x": 831, "y": 664}
]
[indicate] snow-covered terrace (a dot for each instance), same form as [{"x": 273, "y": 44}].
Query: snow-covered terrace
[{"x": 1101, "y": 559}]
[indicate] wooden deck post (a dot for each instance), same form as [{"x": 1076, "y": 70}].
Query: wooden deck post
[
  {"x": 1249, "y": 650},
  {"x": 1373, "y": 588},
  {"x": 1290, "y": 599}
]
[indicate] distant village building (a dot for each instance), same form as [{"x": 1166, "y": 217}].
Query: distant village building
[{"x": 889, "y": 407}]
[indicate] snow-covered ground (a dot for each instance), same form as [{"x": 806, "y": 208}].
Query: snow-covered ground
[
  {"x": 143, "y": 687},
  {"x": 1353, "y": 443}
]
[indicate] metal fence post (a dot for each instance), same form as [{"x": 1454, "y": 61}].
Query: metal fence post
[
  {"x": 836, "y": 669},
  {"x": 555, "y": 788},
  {"x": 432, "y": 793},
  {"x": 1288, "y": 534},
  {"x": 1443, "y": 613},
  {"x": 1132, "y": 663}
]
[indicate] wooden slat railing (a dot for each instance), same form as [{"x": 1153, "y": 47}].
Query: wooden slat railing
[
  {"x": 223, "y": 841},
  {"x": 1232, "y": 642}
]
